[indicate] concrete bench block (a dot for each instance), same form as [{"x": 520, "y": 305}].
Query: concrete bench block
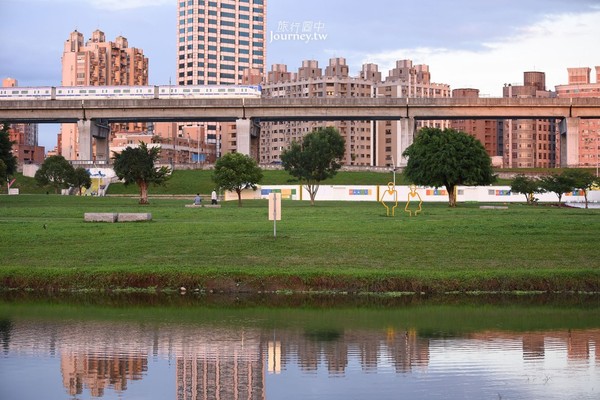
[
  {"x": 213, "y": 206},
  {"x": 100, "y": 217},
  {"x": 134, "y": 217},
  {"x": 493, "y": 207},
  {"x": 193, "y": 205}
]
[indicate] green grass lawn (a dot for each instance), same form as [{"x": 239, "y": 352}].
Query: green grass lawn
[{"x": 332, "y": 246}]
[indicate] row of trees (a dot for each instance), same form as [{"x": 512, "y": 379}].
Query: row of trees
[
  {"x": 437, "y": 158},
  {"x": 133, "y": 165},
  {"x": 450, "y": 158},
  {"x": 569, "y": 180}
]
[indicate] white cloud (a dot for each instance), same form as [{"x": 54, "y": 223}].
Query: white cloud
[{"x": 551, "y": 46}]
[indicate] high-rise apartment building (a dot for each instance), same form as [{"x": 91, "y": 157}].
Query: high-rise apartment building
[
  {"x": 221, "y": 42},
  {"x": 24, "y": 137},
  {"x": 530, "y": 143},
  {"x": 580, "y": 85},
  {"x": 99, "y": 63}
]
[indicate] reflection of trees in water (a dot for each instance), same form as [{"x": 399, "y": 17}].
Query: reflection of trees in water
[
  {"x": 5, "y": 330},
  {"x": 402, "y": 349},
  {"x": 323, "y": 335}
]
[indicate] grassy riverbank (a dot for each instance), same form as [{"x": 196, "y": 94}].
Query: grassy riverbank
[
  {"x": 317, "y": 313},
  {"x": 334, "y": 246}
]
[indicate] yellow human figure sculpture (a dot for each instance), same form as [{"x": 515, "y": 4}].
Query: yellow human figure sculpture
[
  {"x": 411, "y": 196},
  {"x": 390, "y": 196}
]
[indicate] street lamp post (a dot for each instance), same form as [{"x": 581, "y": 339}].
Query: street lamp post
[{"x": 597, "y": 152}]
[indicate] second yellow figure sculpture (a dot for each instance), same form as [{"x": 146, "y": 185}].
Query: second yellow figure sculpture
[{"x": 413, "y": 196}]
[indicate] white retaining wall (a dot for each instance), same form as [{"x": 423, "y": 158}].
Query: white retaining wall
[{"x": 483, "y": 194}]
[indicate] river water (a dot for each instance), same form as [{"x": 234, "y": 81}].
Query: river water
[{"x": 300, "y": 347}]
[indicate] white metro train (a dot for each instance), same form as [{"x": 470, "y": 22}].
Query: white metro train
[{"x": 128, "y": 92}]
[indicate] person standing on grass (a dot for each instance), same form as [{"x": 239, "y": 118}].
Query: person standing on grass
[{"x": 213, "y": 197}]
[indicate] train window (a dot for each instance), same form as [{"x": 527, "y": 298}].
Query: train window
[
  {"x": 231, "y": 90},
  {"x": 24, "y": 91},
  {"x": 92, "y": 91},
  {"x": 196, "y": 90},
  {"x": 126, "y": 90},
  {"x": 117, "y": 90},
  {"x": 221, "y": 90},
  {"x": 83, "y": 91},
  {"x": 186, "y": 90}
]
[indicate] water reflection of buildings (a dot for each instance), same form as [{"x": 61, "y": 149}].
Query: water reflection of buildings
[
  {"x": 579, "y": 345},
  {"x": 98, "y": 372},
  {"x": 232, "y": 363},
  {"x": 220, "y": 364}
]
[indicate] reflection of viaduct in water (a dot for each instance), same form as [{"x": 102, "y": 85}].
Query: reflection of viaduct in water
[{"x": 232, "y": 363}]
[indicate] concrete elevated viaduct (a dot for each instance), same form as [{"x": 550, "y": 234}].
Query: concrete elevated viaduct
[{"x": 93, "y": 116}]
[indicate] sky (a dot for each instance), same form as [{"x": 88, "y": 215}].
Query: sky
[{"x": 480, "y": 44}]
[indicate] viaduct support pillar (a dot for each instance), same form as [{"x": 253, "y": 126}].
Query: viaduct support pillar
[
  {"x": 246, "y": 130},
  {"x": 102, "y": 135},
  {"x": 569, "y": 142},
  {"x": 406, "y": 128},
  {"x": 88, "y": 129},
  {"x": 243, "y": 127},
  {"x": 84, "y": 132}
]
